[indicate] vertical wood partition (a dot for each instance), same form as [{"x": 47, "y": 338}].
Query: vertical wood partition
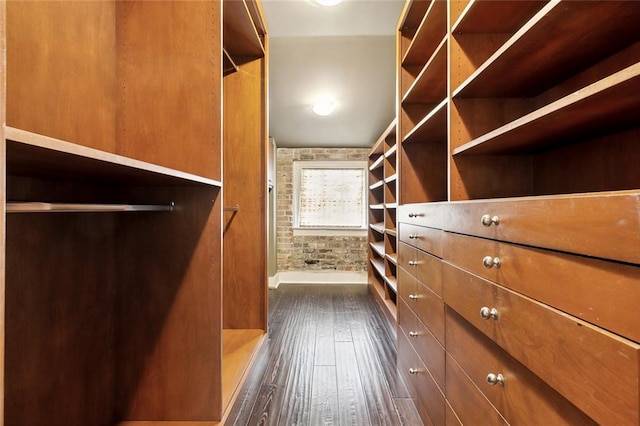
[{"x": 113, "y": 317}]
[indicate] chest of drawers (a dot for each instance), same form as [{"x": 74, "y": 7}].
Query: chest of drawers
[{"x": 538, "y": 297}]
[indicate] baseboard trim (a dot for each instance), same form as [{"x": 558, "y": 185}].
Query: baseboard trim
[{"x": 317, "y": 277}]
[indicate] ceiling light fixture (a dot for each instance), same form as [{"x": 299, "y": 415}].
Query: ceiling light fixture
[
  {"x": 328, "y": 2},
  {"x": 324, "y": 107}
]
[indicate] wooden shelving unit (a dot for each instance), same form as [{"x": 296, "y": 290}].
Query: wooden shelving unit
[
  {"x": 112, "y": 291},
  {"x": 245, "y": 192},
  {"x": 518, "y": 131},
  {"x": 382, "y": 219}
]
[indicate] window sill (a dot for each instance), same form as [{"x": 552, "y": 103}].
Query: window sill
[{"x": 330, "y": 232}]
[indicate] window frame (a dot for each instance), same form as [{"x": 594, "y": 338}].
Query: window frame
[{"x": 298, "y": 166}]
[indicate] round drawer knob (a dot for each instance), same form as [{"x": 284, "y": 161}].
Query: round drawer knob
[
  {"x": 413, "y": 297},
  {"x": 487, "y": 313},
  {"x": 413, "y": 371},
  {"x": 413, "y": 263},
  {"x": 489, "y": 262},
  {"x": 413, "y": 334},
  {"x": 495, "y": 379},
  {"x": 413, "y": 236},
  {"x": 488, "y": 220},
  {"x": 414, "y": 214}
]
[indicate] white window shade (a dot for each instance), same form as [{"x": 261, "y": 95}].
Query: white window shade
[{"x": 330, "y": 195}]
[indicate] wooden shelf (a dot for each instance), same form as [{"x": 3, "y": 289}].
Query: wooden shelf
[
  {"x": 378, "y": 266},
  {"x": 392, "y": 257},
  {"x": 378, "y": 227},
  {"x": 391, "y": 178},
  {"x": 431, "y": 84},
  {"x": 31, "y": 154},
  {"x": 378, "y": 247},
  {"x": 429, "y": 34},
  {"x": 610, "y": 103},
  {"x": 391, "y": 232},
  {"x": 432, "y": 128},
  {"x": 239, "y": 348},
  {"x": 241, "y": 39},
  {"x": 391, "y": 151},
  {"x": 495, "y": 16},
  {"x": 377, "y": 163},
  {"x": 528, "y": 63},
  {"x": 378, "y": 184},
  {"x": 392, "y": 282},
  {"x": 377, "y": 207},
  {"x": 228, "y": 65}
]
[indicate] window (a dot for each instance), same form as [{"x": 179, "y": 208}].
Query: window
[{"x": 329, "y": 195}]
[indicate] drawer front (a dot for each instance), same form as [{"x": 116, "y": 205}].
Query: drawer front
[
  {"x": 451, "y": 418},
  {"x": 408, "y": 258},
  {"x": 425, "y": 344},
  {"x": 425, "y": 267},
  {"x": 422, "y": 388},
  {"x": 600, "y": 292},
  {"x": 429, "y": 309},
  {"x": 601, "y": 225},
  {"x": 470, "y": 406},
  {"x": 425, "y": 304},
  {"x": 427, "y": 214},
  {"x": 427, "y": 239},
  {"x": 523, "y": 396},
  {"x": 407, "y": 286},
  {"x": 594, "y": 369}
]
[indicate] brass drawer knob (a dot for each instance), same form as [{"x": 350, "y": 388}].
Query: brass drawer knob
[
  {"x": 413, "y": 371},
  {"x": 488, "y": 220},
  {"x": 487, "y": 313},
  {"x": 413, "y": 334},
  {"x": 489, "y": 262},
  {"x": 413, "y": 297},
  {"x": 413, "y": 263},
  {"x": 413, "y": 236},
  {"x": 495, "y": 379}
]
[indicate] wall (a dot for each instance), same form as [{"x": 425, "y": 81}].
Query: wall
[{"x": 339, "y": 253}]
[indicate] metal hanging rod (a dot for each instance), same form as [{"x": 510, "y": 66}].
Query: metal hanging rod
[
  {"x": 37, "y": 207},
  {"x": 232, "y": 208}
]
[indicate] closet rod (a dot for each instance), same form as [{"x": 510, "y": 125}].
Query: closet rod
[
  {"x": 232, "y": 208},
  {"x": 37, "y": 207}
]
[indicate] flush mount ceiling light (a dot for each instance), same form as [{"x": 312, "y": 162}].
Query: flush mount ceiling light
[
  {"x": 324, "y": 107},
  {"x": 328, "y": 2}
]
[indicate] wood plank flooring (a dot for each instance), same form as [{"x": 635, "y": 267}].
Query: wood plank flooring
[{"x": 330, "y": 360}]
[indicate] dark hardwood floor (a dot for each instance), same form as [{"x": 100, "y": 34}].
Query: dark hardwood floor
[{"x": 330, "y": 360}]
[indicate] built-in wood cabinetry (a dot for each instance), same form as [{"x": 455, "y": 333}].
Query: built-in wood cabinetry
[
  {"x": 382, "y": 234},
  {"x": 244, "y": 192},
  {"x": 518, "y": 220},
  {"x": 112, "y": 288}
]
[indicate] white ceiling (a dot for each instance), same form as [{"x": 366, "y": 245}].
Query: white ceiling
[{"x": 345, "y": 51}]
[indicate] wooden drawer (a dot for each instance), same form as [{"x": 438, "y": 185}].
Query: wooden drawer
[
  {"x": 470, "y": 406},
  {"x": 425, "y": 267},
  {"x": 450, "y": 416},
  {"x": 428, "y": 398},
  {"x": 427, "y": 239},
  {"x": 428, "y": 348},
  {"x": 427, "y": 306},
  {"x": 600, "y": 292},
  {"x": 523, "y": 396},
  {"x": 605, "y": 225},
  {"x": 594, "y": 369},
  {"x": 427, "y": 214}
]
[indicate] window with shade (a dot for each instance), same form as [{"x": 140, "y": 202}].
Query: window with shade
[{"x": 330, "y": 195}]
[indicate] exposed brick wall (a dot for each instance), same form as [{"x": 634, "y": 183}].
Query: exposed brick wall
[{"x": 340, "y": 253}]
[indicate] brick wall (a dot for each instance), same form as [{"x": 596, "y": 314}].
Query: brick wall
[{"x": 340, "y": 253}]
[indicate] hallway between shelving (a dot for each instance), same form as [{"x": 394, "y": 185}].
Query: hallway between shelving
[{"x": 330, "y": 360}]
